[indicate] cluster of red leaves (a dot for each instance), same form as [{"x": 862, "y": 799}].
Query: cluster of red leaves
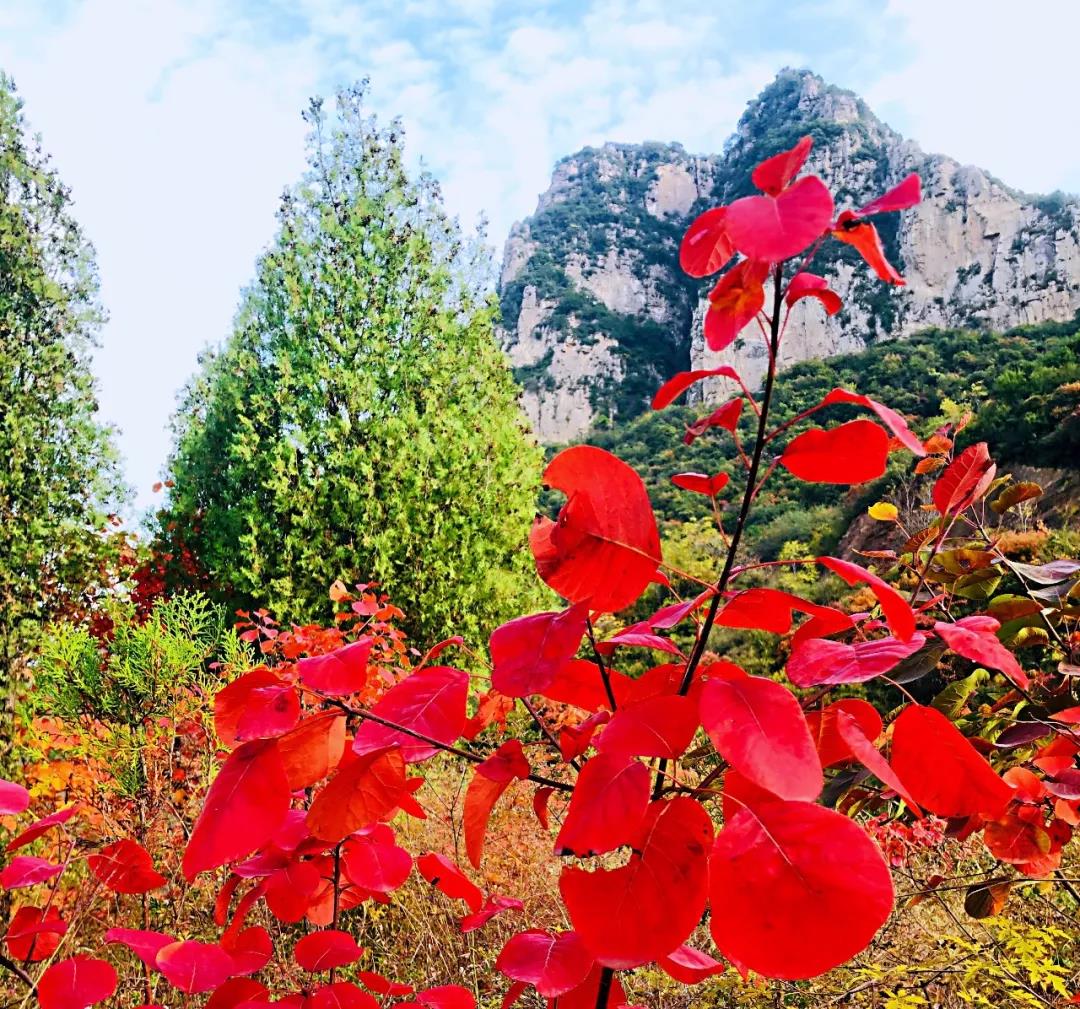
[{"x": 317, "y": 763}]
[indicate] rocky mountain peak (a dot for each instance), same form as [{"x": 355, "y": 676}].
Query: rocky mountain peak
[{"x": 596, "y": 312}]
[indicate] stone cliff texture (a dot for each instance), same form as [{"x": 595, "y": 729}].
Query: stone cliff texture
[{"x": 597, "y": 312}]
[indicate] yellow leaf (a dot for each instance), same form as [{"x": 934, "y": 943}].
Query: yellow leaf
[{"x": 883, "y": 512}]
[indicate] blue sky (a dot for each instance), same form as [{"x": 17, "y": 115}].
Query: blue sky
[{"x": 176, "y": 122}]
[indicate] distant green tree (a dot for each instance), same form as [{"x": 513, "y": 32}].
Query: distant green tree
[
  {"x": 360, "y": 422},
  {"x": 58, "y": 469}
]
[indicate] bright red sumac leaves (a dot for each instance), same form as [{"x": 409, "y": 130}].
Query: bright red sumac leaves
[
  {"x": 76, "y": 983},
  {"x": 604, "y": 548}
]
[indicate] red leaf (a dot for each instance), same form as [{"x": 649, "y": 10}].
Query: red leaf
[
  {"x": 579, "y": 683},
  {"x": 250, "y": 949},
  {"x": 125, "y": 867},
  {"x": 247, "y": 802},
  {"x": 604, "y": 549},
  {"x": 489, "y": 782},
  {"x": 737, "y": 297},
  {"x": 942, "y": 770},
  {"x": 759, "y": 728},
  {"x": 25, "y": 870},
  {"x": 194, "y": 966},
  {"x": 774, "y": 228},
  {"x": 574, "y": 740},
  {"x": 974, "y": 639},
  {"x": 326, "y": 950},
  {"x": 447, "y": 878},
  {"x": 701, "y": 483},
  {"x": 851, "y": 453},
  {"x": 659, "y": 727},
  {"x": 772, "y": 610},
  {"x": 379, "y": 984},
  {"x": 819, "y": 661},
  {"x": 340, "y": 995},
  {"x": 144, "y": 944},
  {"x": 774, "y": 174},
  {"x": 676, "y": 386},
  {"x": 689, "y": 965},
  {"x": 863, "y": 236},
  {"x": 13, "y": 798},
  {"x": 447, "y": 996},
  {"x": 231, "y": 702},
  {"x": 606, "y": 807},
  {"x": 270, "y": 711},
  {"x": 705, "y": 247},
  {"x": 492, "y": 906},
  {"x": 900, "y": 197},
  {"x": 541, "y": 798},
  {"x": 313, "y": 749},
  {"x": 41, "y": 827},
  {"x": 430, "y": 701},
  {"x": 33, "y": 934},
  {"x": 897, "y": 612},
  {"x": 809, "y": 285},
  {"x": 364, "y": 791},
  {"x": 373, "y": 862},
  {"x": 795, "y": 889},
  {"x": 587, "y": 994},
  {"x": 76, "y": 983},
  {"x": 236, "y": 990},
  {"x": 553, "y": 964},
  {"x": 657, "y": 898},
  {"x": 965, "y": 480},
  {"x": 637, "y": 636},
  {"x": 889, "y": 417},
  {"x": 528, "y": 652},
  {"x": 337, "y": 673},
  {"x": 823, "y": 728},
  {"x": 867, "y": 755},
  {"x": 726, "y": 416}
]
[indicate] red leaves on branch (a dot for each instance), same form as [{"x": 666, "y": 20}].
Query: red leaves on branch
[
  {"x": 705, "y": 247},
  {"x": 831, "y": 747},
  {"x": 677, "y": 385},
  {"x": 33, "y": 934},
  {"x": 819, "y": 661},
  {"x": 796, "y": 889},
  {"x": 41, "y": 827},
  {"x": 851, "y": 453},
  {"x": 430, "y": 701},
  {"x": 337, "y": 673},
  {"x": 774, "y": 228},
  {"x": 975, "y": 638},
  {"x": 125, "y": 867},
  {"x": 552, "y": 963},
  {"x": 27, "y": 870},
  {"x": 607, "y": 806},
  {"x": 810, "y": 285},
  {"x": 13, "y": 798},
  {"x": 325, "y": 950},
  {"x": 364, "y": 791},
  {"x": 852, "y": 228},
  {"x": 726, "y": 417},
  {"x": 889, "y": 417},
  {"x": 701, "y": 483},
  {"x": 528, "y": 652},
  {"x": 490, "y": 780},
  {"x": 245, "y": 805},
  {"x": 737, "y": 297},
  {"x": 898, "y": 614},
  {"x": 313, "y": 749},
  {"x": 76, "y": 983},
  {"x": 194, "y": 967},
  {"x": 941, "y": 769},
  {"x": 604, "y": 549},
  {"x": 143, "y": 943},
  {"x": 758, "y": 726},
  {"x": 774, "y": 174},
  {"x": 966, "y": 479},
  {"x": 658, "y": 727},
  {"x": 657, "y": 898},
  {"x": 446, "y": 877},
  {"x": 689, "y": 965}
]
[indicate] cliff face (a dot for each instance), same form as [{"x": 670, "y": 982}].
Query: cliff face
[{"x": 597, "y": 312}]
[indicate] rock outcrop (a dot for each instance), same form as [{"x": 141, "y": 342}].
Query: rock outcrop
[{"x": 597, "y": 312}]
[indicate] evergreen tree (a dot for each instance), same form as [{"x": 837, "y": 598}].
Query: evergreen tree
[
  {"x": 58, "y": 469},
  {"x": 360, "y": 422}
]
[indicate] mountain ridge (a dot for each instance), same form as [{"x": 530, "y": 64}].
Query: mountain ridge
[{"x": 597, "y": 313}]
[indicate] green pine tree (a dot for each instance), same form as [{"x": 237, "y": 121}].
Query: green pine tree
[
  {"x": 59, "y": 476},
  {"x": 360, "y": 422}
]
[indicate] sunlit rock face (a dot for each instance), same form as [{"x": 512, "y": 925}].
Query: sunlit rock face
[{"x": 596, "y": 312}]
